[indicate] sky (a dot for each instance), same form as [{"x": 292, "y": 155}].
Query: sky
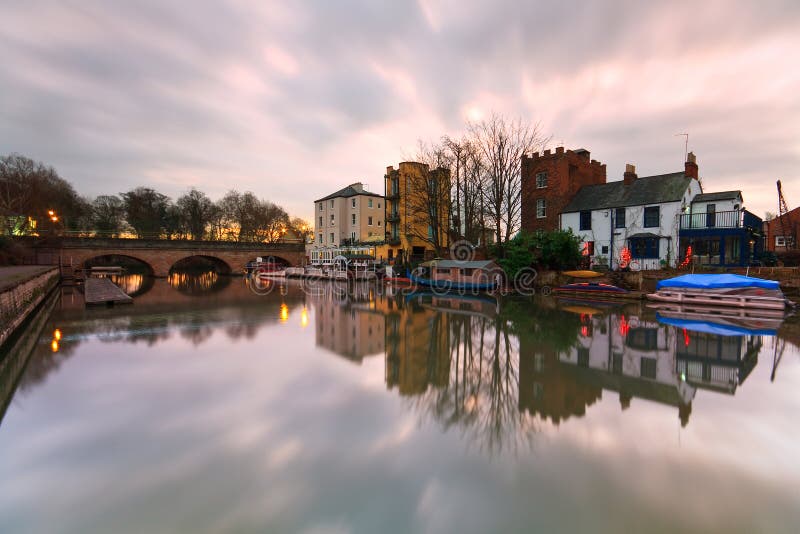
[{"x": 294, "y": 100}]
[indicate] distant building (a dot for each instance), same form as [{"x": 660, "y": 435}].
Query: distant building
[
  {"x": 781, "y": 232},
  {"x": 417, "y": 212},
  {"x": 349, "y": 216},
  {"x": 550, "y": 180}
]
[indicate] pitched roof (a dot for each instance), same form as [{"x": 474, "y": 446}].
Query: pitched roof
[
  {"x": 646, "y": 190},
  {"x": 348, "y": 191},
  {"x": 722, "y": 195}
]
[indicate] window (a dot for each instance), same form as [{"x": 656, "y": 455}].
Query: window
[
  {"x": 369, "y": 203},
  {"x": 586, "y": 220},
  {"x": 379, "y": 223},
  {"x": 369, "y": 221},
  {"x": 783, "y": 241},
  {"x": 320, "y": 220},
  {"x": 652, "y": 217},
  {"x": 333, "y": 238},
  {"x": 320, "y": 238},
  {"x": 430, "y": 232},
  {"x": 353, "y": 202},
  {"x": 331, "y": 203},
  {"x": 541, "y": 208},
  {"x": 320, "y": 206},
  {"x": 644, "y": 247},
  {"x": 440, "y": 270},
  {"x": 466, "y": 272},
  {"x": 353, "y": 218},
  {"x": 648, "y": 368},
  {"x": 333, "y": 220},
  {"x": 379, "y": 205},
  {"x": 541, "y": 180},
  {"x": 588, "y": 248},
  {"x": 604, "y": 248},
  {"x": 352, "y": 236},
  {"x": 619, "y": 218}
]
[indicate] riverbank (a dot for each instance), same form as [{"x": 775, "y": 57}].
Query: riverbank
[{"x": 22, "y": 289}]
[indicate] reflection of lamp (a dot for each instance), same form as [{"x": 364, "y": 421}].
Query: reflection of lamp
[
  {"x": 284, "y": 313},
  {"x": 304, "y": 317}
]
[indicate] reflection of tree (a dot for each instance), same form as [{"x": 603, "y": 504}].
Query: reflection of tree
[{"x": 482, "y": 390}]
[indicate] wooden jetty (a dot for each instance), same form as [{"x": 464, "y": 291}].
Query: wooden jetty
[{"x": 104, "y": 291}]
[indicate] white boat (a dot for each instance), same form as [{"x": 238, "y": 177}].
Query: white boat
[{"x": 731, "y": 290}]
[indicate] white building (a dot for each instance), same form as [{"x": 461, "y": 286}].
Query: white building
[{"x": 637, "y": 215}]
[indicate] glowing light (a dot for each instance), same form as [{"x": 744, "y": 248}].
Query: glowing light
[
  {"x": 584, "y": 331},
  {"x": 57, "y": 334},
  {"x": 284, "y": 313},
  {"x": 54, "y": 345},
  {"x": 625, "y": 258},
  {"x": 688, "y": 259},
  {"x": 624, "y": 326},
  {"x": 304, "y": 317},
  {"x": 51, "y": 213},
  {"x": 685, "y": 338}
]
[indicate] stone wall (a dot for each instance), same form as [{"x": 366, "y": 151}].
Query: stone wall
[{"x": 18, "y": 302}]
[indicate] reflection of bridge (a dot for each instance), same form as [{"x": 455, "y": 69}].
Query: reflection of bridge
[{"x": 161, "y": 255}]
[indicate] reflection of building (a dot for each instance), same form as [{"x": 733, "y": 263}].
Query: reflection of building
[
  {"x": 350, "y": 330},
  {"x": 635, "y": 358},
  {"x": 549, "y": 388},
  {"x": 716, "y": 362},
  {"x": 658, "y": 362},
  {"x": 417, "y": 349}
]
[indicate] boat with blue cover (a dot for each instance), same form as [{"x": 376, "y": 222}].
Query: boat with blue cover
[{"x": 731, "y": 290}]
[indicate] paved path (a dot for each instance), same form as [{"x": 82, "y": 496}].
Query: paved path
[
  {"x": 104, "y": 291},
  {"x": 15, "y": 274}
]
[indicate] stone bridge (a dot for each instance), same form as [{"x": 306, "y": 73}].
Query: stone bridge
[{"x": 161, "y": 255}]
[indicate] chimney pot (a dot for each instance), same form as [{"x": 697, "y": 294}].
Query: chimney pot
[
  {"x": 630, "y": 174},
  {"x": 691, "y": 169},
  {"x": 547, "y": 152},
  {"x": 560, "y": 150}
]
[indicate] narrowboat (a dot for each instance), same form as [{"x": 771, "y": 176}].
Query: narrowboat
[
  {"x": 731, "y": 290},
  {"x": 590, "y": 287},
  {"x": 457, "y": 275}
]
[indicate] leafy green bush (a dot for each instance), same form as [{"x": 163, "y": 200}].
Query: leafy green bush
[{"x": 557, "y": 249}]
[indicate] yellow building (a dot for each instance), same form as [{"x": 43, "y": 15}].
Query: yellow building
[{"x": 417, "y": 212}]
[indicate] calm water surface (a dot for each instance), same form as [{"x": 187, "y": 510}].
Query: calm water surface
[{"x": 217, "y": 405}]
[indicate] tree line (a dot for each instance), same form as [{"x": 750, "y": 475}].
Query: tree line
[{"x": 34, "y": 199}]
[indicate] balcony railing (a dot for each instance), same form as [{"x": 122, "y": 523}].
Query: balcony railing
[
  {"x": 719, "y": 219},
  {"x": 393, "y": 217}
]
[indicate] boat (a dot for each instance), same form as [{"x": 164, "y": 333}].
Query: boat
[
  {"x": 732, "y": 290},
  {"x": 271, "y": 271},
  {"x": 720, "y": 320},
  {"x": 582, "y": 274},
  {"x": 590, "y": 287},
  {"x": 447, "y": 275}
]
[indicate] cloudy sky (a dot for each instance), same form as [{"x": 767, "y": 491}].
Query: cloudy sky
[{"x": 294, "y": 100}]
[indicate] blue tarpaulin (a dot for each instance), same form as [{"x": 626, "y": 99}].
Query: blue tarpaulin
[
  {"x": 716, "y": 281},
  {"x": 715, "y": 328}
]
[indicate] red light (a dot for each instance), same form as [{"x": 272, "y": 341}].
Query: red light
[
  {"x": 685, "y": 338},
  {"x": 624, "y": 327}
]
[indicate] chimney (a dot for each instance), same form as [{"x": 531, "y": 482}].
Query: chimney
[
  {"x": 630, "y": 174},
  {"x": 358, "y": 186},
  {"x": 691, "y": 166}
]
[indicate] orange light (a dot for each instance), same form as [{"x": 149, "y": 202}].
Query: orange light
[
  {"x": 284, "y": 313},
  {"x": 51, "y": 213},
  {"x": 57, "y": 334},
  {"x": 54, "y": 218},
  {"x": 304, "y": 317},
  {"x": 54, "y": 345}
]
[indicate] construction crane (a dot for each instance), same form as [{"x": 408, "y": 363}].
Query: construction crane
[{"x": 783, "y": 209}]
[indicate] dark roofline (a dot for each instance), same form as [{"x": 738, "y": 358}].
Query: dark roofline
[{"x": 348, "y": 192}]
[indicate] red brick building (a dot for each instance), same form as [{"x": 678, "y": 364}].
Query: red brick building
[
  {"x": 782, "y": 231},
  {"x": 550, "y": 180}
]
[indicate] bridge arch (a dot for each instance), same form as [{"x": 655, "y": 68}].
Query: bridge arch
[
  {"x": 194, "y": 261},
  {"x": 99, "y": 260}
]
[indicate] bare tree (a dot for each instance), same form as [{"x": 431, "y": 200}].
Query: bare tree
[
  {"x": 428, "y": 198},
  {"x": 501, "y": 144}
]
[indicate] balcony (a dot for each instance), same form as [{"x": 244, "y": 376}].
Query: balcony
[
  {"x": 393, "y": 217},
  {"x": 392, "y": 195},
  {"x": 719, "y": 219},
  {"x": 393, "y": 240}
]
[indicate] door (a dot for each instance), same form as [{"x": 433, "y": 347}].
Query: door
[{"x": 711, "y": 215}]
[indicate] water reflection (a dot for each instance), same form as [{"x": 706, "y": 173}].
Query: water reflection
[{"x": 198, "y": 283}]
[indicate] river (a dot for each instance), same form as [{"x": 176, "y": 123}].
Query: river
[{"x": 217, "y": 404}]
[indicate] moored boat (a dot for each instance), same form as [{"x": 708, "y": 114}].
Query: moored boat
[
  {"x": 732, "y": 290},
  {"x": 456, "y": 275},
  {"x": 590, "y": 287}
]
